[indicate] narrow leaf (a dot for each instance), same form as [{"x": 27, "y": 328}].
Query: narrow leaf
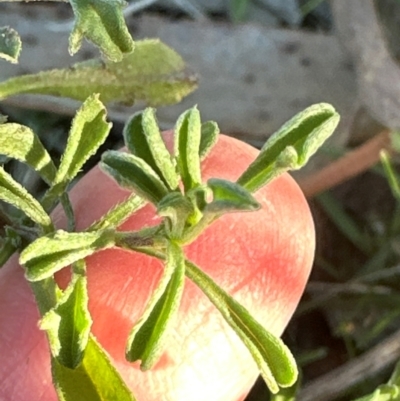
[
  {"x": 21, "y": 143},
  {"x": 10, "y": 44},
  {"x": 230, "y": 197},
  {"x": 276, "y": 363},
  {"x": 102, "y": 22},
  {"x": 187, "y": 147},
  {"x": 291, "y": 146},
  {"x": 133, "y": 173},
  {"x": 209, "y": 137},
  {"x": 15, "y": 194},
  {"x": 95, "y": 379},
  {"x": 88, "y": 132},
  {"x": 49, "y": 254},
  {"x": 68, "y": 323},
  {"x": 146, "y": 340},
  {"x": 116, "y": 216},
  {"x": 143, "y": 139},
  {"x": 154, "y": 74}
]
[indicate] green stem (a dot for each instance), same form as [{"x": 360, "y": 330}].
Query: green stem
[
  {"x": 46, "y": 294},
  {"x": 192, "y": 233}
]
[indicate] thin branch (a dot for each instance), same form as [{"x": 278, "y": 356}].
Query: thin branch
[
  {"x": 348, "y": 166},
  {"x": 338, "y": 381}
]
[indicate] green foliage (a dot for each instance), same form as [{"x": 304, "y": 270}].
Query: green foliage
[
  {"x": 153, "y": 73},
  {"x": 102, "y": 22},
  {"x": 187, "y": 148},
  {"x": 229, "y": 197},
  {"x": 50, "y": 253},
  {"x": 68, "y": 323},
  {"x": 143, "y": 139},
  {"x": 95, "y": 379},
  {"x": 132, "y": 172},
  {"x": 146, "y": 340},
  {"x": 30, "y": 150},
  {"x": 276, "y": 363},
  {"x": 15, "y": 194},
  {"x": 10, "y": 44},
  {"x": 291, "y": 146}
]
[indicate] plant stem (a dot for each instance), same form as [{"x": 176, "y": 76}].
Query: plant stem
[{"x": 348, "y": 166}]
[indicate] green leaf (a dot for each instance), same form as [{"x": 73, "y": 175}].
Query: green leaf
[
  {"x": 68, "y": 323},
  {"x": 209, "y": 137},
  {"x": 10, "y": 44},
  {"x": 391, "y": 175},
  {"x": 117, "y": 215},
  {"x": 143, "y": 139},
  {"x": 88, "y": 132},
  {"x": 49, "y": 254},
  {"x": 276, "y": 363},
  {"x": 187, "y": 147},
  {"x": 146, "y": 340},
  {"x": 134, "y": 173},
  {"x": 230, "y": 197},
  {"x": 15, "y": 194},
  {"x": 21, "y": 143},
  {"x": 291, "y": 146},
  {"x": 154, "y": 74},
  {"x": 95, "y": 379},
  {"x": 177, "y": 208},
  {"x": 102, "y": 22}
]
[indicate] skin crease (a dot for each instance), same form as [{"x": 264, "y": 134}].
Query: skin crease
[{"x": 263, "y": 258}]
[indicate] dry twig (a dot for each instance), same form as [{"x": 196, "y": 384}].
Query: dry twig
[{"x": 338, "y": 381}]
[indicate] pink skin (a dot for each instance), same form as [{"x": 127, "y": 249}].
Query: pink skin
[{"x": 262, "y": 258}]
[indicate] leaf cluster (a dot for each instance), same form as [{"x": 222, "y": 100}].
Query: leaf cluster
[{"x": 187, "y": 205}]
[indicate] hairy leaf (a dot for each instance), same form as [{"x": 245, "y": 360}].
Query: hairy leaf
[
  {"x": 68, "y": 323},
  {"x": 187, "y": 147},
  {"x": 49, "y": 254},
  {"x": 21, "y": 143},
  {"x": 101, "y": 22},
  {"x": 88, "y": 132},
  {"x": 10, "y": 44},
  {"x": 291, "y": 146},
  {"x": 134, "y": 173},
  {"x": 153, "y": 73},
  {"x": 95, "y": 379},
  {"x": 143, "y": 139},
  {"x": 15, "y": 194},
  {"x": 117, "y": 215},
  {"x": 276, "y": 363},
  {"x": 230, "y": 197},
  {"x": 209, "y": 137},
  {"x": 146, "y": 340}
]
